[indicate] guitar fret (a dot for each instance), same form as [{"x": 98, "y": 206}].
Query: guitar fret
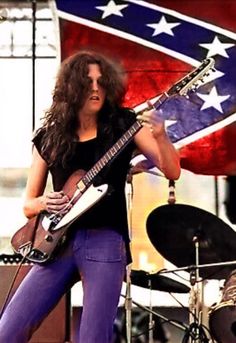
[
  {"x": 106, "y": 160},
  {"x": 100, "y": 165},
  {"x": 160, "y": 100},
  {"x": 118, "y": 146},
  {"x": 110, "y": 154}
]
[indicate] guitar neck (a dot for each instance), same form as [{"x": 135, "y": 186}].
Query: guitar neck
[
  {"x": 160, "y": 100},
  {"x": 114, "y": 151}
]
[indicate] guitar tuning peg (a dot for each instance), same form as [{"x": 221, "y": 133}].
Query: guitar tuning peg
[{"x": 194, "y": 87}]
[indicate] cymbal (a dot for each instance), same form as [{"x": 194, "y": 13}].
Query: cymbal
[
  {"x": 157, "y": 282},
  {"x": 173, "y": 228}
]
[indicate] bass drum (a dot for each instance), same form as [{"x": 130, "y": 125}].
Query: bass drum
[{"x": 222, "y": 317}]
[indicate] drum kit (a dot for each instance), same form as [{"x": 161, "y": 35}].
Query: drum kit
[{"x": 204, "y": 246}]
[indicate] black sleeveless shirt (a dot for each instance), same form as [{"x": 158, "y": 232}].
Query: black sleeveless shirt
[{"x": 111, "y": 210}]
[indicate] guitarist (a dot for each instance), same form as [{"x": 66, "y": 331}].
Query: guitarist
[{"x": 85, "y": 119}]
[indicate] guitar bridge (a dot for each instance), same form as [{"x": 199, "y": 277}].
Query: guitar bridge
[{"x": 37, "y": 256}]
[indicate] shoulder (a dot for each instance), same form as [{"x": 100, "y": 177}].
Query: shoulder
[
  {"x": 38, "y": 137},
  {"x": 38, "y": 140}
]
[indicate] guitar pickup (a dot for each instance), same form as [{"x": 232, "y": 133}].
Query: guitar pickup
[{"x": 81, "y": 186}]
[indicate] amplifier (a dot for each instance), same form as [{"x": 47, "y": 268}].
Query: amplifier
[{"x": 55, "y": 328}]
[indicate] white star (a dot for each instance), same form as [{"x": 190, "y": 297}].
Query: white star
[
  {"x": 213, "y": 99},
  {"x": 111, "y": 8},
  {"x": 217, "y": 48},
  {"x": 163, "y": 27}
]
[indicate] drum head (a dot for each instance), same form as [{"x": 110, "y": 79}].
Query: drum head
[{"x": 222, "y": 323}]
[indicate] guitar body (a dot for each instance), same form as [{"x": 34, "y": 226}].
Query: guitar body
[
  {"x": 34, "y": 242},
  {"x": 38, "y": 238}
]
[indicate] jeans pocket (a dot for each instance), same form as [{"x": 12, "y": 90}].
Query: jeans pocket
[{"x": 104, "y": 246}]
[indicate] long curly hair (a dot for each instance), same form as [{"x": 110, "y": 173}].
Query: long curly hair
[{"x": 71, "y": 88}]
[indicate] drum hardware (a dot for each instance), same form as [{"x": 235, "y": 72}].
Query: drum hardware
[
  {"x": 195, "y": 303},
  {"x": 151, "y": 322},
  {"x": 128, "y": 307},
  {"x": 128, "y": 298},
  {"x": 140, "y": 167},
  {"x": 200, "y": 266},
  {"x": 157, "y": 282},
  {"x": 188, "y": 225},
  {"x": 154, "y": 281},
  {"x": 196, "y": 331},
  {"x": 202, "y": 237},
  {"x": 222, "y": 316},
  {"x": 177, "y": 324}
]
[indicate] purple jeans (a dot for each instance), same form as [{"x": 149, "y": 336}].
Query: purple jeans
[{"x": 98, "y": 257}]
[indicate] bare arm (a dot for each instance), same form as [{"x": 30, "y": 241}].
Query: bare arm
[
  {"x": 154, "y": 143},
  {"x": 35, "y": 199}
]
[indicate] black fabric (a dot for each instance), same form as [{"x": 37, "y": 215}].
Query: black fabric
[{"x": 111, "y": 210}]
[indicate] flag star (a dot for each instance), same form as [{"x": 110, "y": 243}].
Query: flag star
[
  {"x": 111, "y": 8},
  {"x": 213, "y": 100},
  {"x": 217, "y": 48},
  {"x": 163, "y": 27}
]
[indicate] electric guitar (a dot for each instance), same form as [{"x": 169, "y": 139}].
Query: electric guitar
[{"x": 42, "y": 235}]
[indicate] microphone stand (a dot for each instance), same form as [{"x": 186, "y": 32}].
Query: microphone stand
[{"x": 128, "y": 298}]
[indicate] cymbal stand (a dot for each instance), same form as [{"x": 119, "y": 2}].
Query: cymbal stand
[
  {"x": 195, "y": 301},
  {"x": 189, "y": 332},
  {"x": 200, "y": 266},
  {"x": 151, "y": 322},
  {"x": 128, "y": 298},
  {"x": 177, "y": 324}
]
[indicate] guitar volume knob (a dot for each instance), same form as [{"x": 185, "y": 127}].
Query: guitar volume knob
[{"x": 48, "y": 238}]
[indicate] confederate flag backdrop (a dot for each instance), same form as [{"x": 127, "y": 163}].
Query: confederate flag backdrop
[{"x": 159, "y": 42}]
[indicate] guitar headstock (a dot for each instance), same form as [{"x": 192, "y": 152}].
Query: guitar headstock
[{"x": 194, "y": 79}]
